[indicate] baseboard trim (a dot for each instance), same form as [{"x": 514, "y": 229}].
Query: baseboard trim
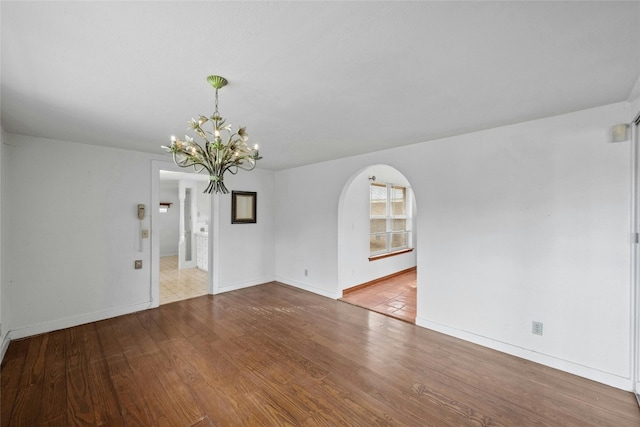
[
  {"x": 240, "y": 285},
  {"x": 310, "y": 288},
  {"x": 375, "y": 281},
  {"x": 69, "y": 322},
  {"x": 5, "y": 345},
  {"x": 607, "y": 378}
]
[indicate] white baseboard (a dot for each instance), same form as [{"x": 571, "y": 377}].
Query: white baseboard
[
  {"x": 68, "y": 322},
  {"x": 310, "y": 288},
  {"x": 240, "y": 285},
  {"x": 5, "y": 344},
  {"x": 541, "y": 358}
]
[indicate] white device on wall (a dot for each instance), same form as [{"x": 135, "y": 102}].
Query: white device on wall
[
  {"x": 620, "y": 133},
  {"x": 141, "y": 211}
]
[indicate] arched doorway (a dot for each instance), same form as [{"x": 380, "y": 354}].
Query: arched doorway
[{"x": 382, "y": 282}]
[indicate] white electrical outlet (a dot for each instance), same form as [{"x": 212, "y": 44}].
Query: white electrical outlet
[{"x": 536, "y": 328}]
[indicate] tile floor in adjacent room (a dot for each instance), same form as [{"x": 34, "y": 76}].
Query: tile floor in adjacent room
[
  {"x": 395, "y": 297},
  {"x": 176, "y": 285}
]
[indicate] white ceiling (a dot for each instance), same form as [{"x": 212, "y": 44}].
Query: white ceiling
[{"x": 312, "y": 81}]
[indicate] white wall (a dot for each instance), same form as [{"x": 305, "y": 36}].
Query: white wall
[
  {"x": 72, "y": 227},
  {"x": 519, "y": 223},
  {"x": 73, "y": 233},
  {"x": 354, "y": 267},
  {"x": 3, "y": 328},
  {"x": 246, "y": 251},
  {"x": 531, "y": 222},
  {"x": 203, "y": 202},
  {"x": 170, "y": 220}
]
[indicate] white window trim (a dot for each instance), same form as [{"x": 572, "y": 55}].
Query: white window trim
[{"x": 388, "y": 232}]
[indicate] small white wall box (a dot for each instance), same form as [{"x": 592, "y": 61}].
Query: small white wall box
[{"x": 620, "y": 132}]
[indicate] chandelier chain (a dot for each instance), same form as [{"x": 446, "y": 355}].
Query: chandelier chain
[{"x": 216, "y": 113}]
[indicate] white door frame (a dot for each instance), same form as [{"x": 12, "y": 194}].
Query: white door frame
[
  {"x": 186, "y": 242},
  {"x": 635, "y": 257},
  {"x": 154, "y": 286}
]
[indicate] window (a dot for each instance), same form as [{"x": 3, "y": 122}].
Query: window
[{"x": 390, "y": 219}]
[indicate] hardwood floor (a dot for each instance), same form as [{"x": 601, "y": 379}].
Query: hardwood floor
[
  {"x": 394, "y": 296},
  {"x": 273, "y": 355}
]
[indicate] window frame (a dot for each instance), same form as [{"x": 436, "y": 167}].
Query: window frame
[{"x": 389, "y": 216}]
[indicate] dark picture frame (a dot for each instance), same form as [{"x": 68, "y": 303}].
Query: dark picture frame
[{"x": 243, "y": 207}]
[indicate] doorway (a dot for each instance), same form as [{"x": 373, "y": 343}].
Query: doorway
[
  {"x": 183, "y": 222},
  {"x": 393, "y": 296},
  {"x": 385, "y": 283}
]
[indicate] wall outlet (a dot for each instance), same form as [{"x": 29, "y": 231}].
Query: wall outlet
[
  {"x": 536, "y": 328},
  {"x": 137, "y": 264}
]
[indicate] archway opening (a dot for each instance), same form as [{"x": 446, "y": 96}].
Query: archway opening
[{"x": 377, "y": 242}]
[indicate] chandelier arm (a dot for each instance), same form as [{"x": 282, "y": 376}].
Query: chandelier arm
[
  {"x": 231, "y": 171},
  {"x": 184, "y": 163},
  {"x": 252, "y": 167},
  {"x": 191, "y": 163}
]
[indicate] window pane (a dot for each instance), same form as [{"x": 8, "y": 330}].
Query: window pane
[
  {"x": 378, "y": 209},
  {"x": 378, "y": 225},
  {"x": 398, "y": 201},
  {"x": 398, "y": 240},
  {"x": 398, "y": 224},
  {"x": 377, "y": 243},
  {"x": 378, "y": 198}
]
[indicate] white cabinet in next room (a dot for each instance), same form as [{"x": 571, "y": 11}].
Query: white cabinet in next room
[{"x": 202, "y": 251}]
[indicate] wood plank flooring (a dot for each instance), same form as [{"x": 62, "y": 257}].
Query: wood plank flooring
[{"x": 273, "y": 355}]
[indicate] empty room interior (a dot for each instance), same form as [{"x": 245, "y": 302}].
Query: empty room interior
[{"x": 320, "y": 213}]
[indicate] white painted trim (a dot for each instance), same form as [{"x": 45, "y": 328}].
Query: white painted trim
[
  {"x": 635, "y": 260},
  {"x": 154, "y": 291},
  {"x": 242, "y": 285},
  {"x": 214, "y": 245},
  {"x": 5, "y": 345},
  {"x": 69, "y": 322},
  {"x": 156, "y": 167},
  {"x": 541, "y": 358},
  {"x": 309, "y": 288}
]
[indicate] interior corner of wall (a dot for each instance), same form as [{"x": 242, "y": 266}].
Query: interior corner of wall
[
  {"x": 4, "y": 343},
  {"x": 634, "y": 99}
]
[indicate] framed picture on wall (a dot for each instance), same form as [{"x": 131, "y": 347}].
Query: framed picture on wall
[{"x": 243, "y": 207}]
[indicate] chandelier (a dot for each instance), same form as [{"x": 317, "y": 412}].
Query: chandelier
[{"x": 219, "y": 153}]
